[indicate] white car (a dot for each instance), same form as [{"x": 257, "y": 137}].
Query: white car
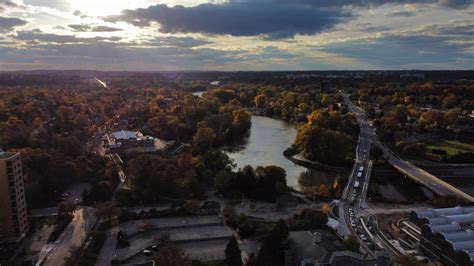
[
  {"x": 359, "y": 174},
  {"x": 147, "y": 252}
]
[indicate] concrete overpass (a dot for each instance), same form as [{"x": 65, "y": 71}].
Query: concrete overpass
[{"x": 415, "y": 173}]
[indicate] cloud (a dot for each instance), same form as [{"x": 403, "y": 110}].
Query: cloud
[
  {"x": 37, "y": 35},
  {"x": 80, "y": 14},
  {"x": 104, "y": 29},
  {"x": 184, "y": 42},
  {"x": 8, "y": 24},
  {"x": 61, "y": 5},
  {"x": 9, "y": 5},
  {"x": 370, "y": 3},
  {"x": 80, "y": 27},
  {"x": 90, "y": 28},
  {"x": 394, "y": 52},
  {"x": 400, "y": 13},
  {"x": 237, "y": 19},
  {"x": 110, "y": 56},
  {"x": 369, "y": 27}
]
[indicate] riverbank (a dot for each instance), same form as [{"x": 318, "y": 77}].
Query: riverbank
[
  {"x": 300, "y": 160},
  {"x": 267, "y": 140}
]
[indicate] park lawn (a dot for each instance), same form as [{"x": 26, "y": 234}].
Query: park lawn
[{"x": 452, "y": 147}]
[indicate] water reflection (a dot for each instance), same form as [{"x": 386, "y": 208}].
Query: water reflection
[{"x": 265, "y": 145}]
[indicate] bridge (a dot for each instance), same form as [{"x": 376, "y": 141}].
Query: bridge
[{"x": 411, "y": 171}]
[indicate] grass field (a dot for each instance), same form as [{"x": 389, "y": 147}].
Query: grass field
[{"x": 452, "y": 147}]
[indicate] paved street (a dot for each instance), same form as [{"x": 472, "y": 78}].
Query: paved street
[
  {"x": 73, "y": 235},
  {"x": 417, "y": 174}
]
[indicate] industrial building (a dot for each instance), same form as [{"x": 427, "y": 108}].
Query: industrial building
[
  {"x": 447, "y": 234},
  {"x": 13, "y": 216}
]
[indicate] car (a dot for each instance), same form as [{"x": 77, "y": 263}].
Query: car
[
  {"x": 154, "y": 247},
  {"x": 361, "y": 168},
  {"x": 359, "y": 174},
  {"x": 353, "y": 198},
  {"x": 353, "y": 224},
  {"x": 147, "y": 252},
  {"x": 65, "y": 194}
]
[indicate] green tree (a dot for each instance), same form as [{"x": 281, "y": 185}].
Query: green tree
[{"x": 232, "y": 253}]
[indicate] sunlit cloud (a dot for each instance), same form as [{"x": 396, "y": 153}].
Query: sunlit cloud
[{"x": 236, "y": 34}]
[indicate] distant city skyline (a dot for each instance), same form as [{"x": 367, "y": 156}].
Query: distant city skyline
[{"x": 158, "y": 35}]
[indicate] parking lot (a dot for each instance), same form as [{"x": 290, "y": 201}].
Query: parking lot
[{"x": 202, "y": 237}]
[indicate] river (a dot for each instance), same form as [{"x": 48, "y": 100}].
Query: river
[{"x": 268, "y": 139}]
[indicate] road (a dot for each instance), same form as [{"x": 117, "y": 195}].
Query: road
[
  {"x": 354, "y": 208},
  {"x": 73, "y": 235},
  {"x": 355, "y": 192},
  {"x": 417, "y": 174}
]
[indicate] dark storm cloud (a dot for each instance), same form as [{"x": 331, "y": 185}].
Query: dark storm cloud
[
  {"x": 8, "y": 24},
  {"x": 91, "y": 28},
  {"x": 238, "y": 19}
]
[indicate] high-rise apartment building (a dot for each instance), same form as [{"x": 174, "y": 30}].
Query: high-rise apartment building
[{"x": 13, "y": 216}]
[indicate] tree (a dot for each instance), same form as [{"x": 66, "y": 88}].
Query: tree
[
  {"x": 171, "y": 255},
  {"x": 192, "y": 207},
  {"x": 107, "y": 210},
  {"x": 222, "y": 181},
  {"x": 66, "y": 207},
  {"x": 351, "y": 243},
  {"x": 376, "y": 152},
  {"x": 204, "y": 138},
  {"x": 260, "y": 101},
  {"x": 271, "y": 252},
  {"x": 308, "y": 219},
  {"x": 271, "y": 179},
  {"x": 232, "y": 253}
]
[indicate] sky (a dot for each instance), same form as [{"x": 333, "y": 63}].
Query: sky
[{"x": 160, "y": 35}]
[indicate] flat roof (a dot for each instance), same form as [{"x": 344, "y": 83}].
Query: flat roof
[
  {"x": 118, "y": 135},
  {"x": 7, "y": 155}
]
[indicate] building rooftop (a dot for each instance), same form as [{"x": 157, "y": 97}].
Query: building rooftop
[
  {"x": 7, "y": 155},
  {"x": 318, "y": 245},
  {"x": 118, "y": 135}
]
